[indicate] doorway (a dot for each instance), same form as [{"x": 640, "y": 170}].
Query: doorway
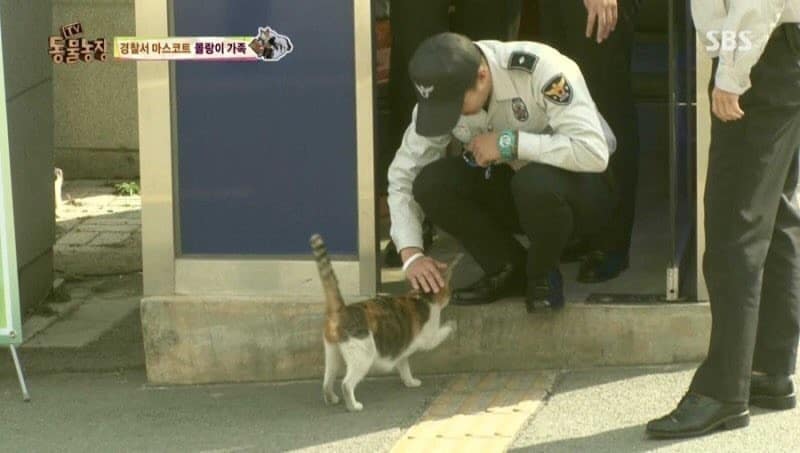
[{"x": 662, "y": 253}]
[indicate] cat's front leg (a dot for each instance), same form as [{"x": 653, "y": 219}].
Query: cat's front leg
[
  {"x": 404, "y": 369},
  {"x": 442, "y": 334}
]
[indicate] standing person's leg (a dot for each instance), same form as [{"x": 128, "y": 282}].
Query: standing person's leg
[
  {"x": 607, "y": 70},
  {"x": 487, "y": 19},
  {"x": 775, "y": 356},
  {"x": 750, "y": 162},
  {"x": 551, "y": 24},
  {"x": 412, "y": 21}
]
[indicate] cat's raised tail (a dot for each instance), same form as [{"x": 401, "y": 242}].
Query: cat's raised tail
[{"x": 333, "y": 297}]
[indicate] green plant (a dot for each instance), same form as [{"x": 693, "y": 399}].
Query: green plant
[{"x": 127, "y": 189}]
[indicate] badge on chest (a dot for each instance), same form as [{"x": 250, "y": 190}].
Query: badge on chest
[{"x": 520, "y": 110}]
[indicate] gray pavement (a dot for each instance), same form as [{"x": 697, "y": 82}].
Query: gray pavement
[
  {"x": 605, "y": 410},
  {"x": 97, "y": 231},
  {"x": 598, "y": 410},
  {"x": 103, "y": 412}
]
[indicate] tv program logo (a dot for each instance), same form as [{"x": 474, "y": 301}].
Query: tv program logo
[
  {"x": 729, "y": 41},
  {"x": 71, "y": 47}
]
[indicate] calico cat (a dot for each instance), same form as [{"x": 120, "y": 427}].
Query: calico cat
[{"x": 378, "y": 334}]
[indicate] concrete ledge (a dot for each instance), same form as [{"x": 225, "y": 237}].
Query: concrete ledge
[{"x": 190, "y": 340}]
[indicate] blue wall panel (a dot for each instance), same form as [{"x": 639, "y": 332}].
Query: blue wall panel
[{"x": 267, "y": 151}]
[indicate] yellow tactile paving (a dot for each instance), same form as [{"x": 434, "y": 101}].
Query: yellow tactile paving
[{"x": 478, "y": 413}]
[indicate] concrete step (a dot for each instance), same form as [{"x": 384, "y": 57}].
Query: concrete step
[{"x": 191, "y": 340}]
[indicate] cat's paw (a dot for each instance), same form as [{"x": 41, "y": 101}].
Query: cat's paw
[
  {"x": 451, "y": 326},
  {"x": 355, "y": 406},
  {"x": 413, "y": 382},
  {"x": 331, "y": 399}
]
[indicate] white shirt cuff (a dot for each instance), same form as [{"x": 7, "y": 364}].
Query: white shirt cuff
[
  {"x": 529, "y": 146},
  {"x": 727, "y": 79}
]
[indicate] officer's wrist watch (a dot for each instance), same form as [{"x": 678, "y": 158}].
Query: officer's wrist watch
[{"x": 507, "y": 144}]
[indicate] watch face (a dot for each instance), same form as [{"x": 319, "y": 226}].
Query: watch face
[{"x": 506, "y": 140}]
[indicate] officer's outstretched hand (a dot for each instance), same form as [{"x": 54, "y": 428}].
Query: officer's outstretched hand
[
  {"x": 604, "y": 13},
  {"x": 425, "y": 274},
  {"x": 725, "y": 105},
  {"x": 484, "y": 148}
]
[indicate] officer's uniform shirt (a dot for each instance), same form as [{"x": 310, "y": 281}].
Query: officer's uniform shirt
[
  {"x": 535, "y": 90},
  {"x": 756, "y": 18}
]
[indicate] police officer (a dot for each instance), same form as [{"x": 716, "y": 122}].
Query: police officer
[
  {"x": 536, "y": 152},
  {"x": 412, "y": 22},
  {"x": 752, "y": 257},
  {"x": 598, "y": 35}
]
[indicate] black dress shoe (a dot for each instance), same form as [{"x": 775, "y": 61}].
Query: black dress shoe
[
  {"x": 602, "y": 266},
  {"x": 546, "y": 292},
  {"x": 697, "y": 415},
  {"x": 509, "y": 282},
  {"x": 772, "y": 392}
]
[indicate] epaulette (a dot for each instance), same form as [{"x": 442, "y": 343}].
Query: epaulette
[{"x": 523, "y": 61}]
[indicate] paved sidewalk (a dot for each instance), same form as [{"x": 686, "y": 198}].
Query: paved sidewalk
[
  {"x": 97, "y": 232},
  {"x": 599, "y": 410}
]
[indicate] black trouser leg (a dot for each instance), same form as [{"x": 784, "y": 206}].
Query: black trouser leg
[
  {"x": 486, "y": 19},
  {"x": 553, "y": 205},
  {"x": 607, "y": 70},
  {"x": 412, "y": 22},
  {"x": 750, "y": 166},
  {"x": 779, "y": 310},
  {"x": 478, "y": 212}
]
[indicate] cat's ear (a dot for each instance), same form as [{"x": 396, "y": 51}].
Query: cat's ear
[{"x": 451, "y": 267}]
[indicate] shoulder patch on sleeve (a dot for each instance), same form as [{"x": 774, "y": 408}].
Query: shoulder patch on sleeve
[
  {"x": 523, "y": 60},
  {"x": 558, "y": 90}
]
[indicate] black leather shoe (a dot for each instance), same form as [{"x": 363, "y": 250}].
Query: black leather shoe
[
  {"x": 508, "y": 282},
  {"x": 772, "y": 392},
  {"x": 697, "y": 415},
  {"x": 602, "y": 266},
  {"x": 546, "y": 292}
]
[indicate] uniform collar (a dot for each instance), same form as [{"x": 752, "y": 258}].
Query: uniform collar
[{"x": 502, "y": 87}]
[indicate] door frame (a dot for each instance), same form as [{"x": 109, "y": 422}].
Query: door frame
[{"x": 165, "y": 272}]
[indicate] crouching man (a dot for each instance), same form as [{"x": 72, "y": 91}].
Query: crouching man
[{"x": 534, "y": 156}]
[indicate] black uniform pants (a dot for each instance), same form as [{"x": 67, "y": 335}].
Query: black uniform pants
[
  {"x": 752, "y": 257},
  {"x": 413, "y": 21},
  {"x": 548, "y": 204},
  {"x": 607, "y": 70}
]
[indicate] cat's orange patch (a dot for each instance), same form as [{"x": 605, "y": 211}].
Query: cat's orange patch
[
  {"x": 372, "y": 312},
  {"x": 332, "y": 334}
]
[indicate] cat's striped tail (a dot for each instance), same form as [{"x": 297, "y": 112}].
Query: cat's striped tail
[{"x": 333, "y": 297}]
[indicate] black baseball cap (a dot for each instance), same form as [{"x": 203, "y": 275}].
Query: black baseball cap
[{"x": 443, "y": 68}]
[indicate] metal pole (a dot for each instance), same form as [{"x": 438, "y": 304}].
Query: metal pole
[{"x": 25, "y": 395}]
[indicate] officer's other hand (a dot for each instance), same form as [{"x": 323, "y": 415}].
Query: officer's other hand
[
  {"x": 425, "y": 274},
  {"x": 484, "y": 148},
  {"x": 725, "y": 105},
  {"x": 604, "y": 14}
]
